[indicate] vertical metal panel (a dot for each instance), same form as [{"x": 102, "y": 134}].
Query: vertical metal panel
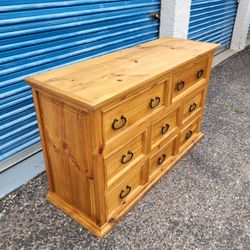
[
  {"x": 37, "y": 35},
  {"x": 212, "y": 21}
]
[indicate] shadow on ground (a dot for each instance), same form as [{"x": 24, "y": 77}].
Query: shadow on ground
[{"x": 203, "y": 203}]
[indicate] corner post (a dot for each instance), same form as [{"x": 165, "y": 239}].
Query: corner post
[
  {"x": 241, "y": 24},
  {"x": 175, "y": 16}
]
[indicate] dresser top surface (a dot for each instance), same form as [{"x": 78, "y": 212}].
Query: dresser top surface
[{"x": 95, "y": 82}]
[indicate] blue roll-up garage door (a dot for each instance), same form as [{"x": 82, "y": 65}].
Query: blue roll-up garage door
[
  {"x": 212, "y": 21},
  {"x": 37, "y": 35}
]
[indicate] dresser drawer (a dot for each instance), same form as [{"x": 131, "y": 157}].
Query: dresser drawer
[
  {"x": 162, "y": 157},
  {"x": 124, "y": 158},
  {"x": 125, "y": 114},
  {"x": 123, "y": 190},
  {"x": 164, "y": 127},
  {"x": 189, "y": 133},
  {"x": 188, "y": 76},
  {"x": 192, "y": 105}
]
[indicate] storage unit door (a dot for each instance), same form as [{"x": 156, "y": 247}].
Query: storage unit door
[
  {"x": 38, "y": 35},
  {"x": 212, "y": 21}
]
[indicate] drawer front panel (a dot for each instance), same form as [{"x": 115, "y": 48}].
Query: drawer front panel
[
  {"x": 127, "y": 113},
  {"x": 123, "y": 190},
  {"x": 192, "y": 106},
  {"x": 162, "y": 158},
  {"x": 164, "y": 127},
  {"x": 188, "y": 133},
  {"x": 124, "y": 158},
  {"x": 188, "y": 76}
]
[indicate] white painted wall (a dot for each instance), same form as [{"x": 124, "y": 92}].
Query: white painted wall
[
  {"x": 241, "y": 26},
  {"x": 175, "y": 18}
]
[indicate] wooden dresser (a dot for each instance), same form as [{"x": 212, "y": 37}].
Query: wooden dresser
[{"x": 112, "y": 126}]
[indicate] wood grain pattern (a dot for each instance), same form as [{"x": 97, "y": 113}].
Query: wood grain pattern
[
  {"x": 193, "y": 105},
  {"x": 124, "y": 158},
  {"x": 127, "y": 186},
  {"x": 133, "y": 109},
  {"x": 162, "y": 158},
  {"x": 66, "y": 152},
  {"x": 188, "y": 76},
  {"x": 96, "y": 172},
  {"x": 98, "y": 81},
  {"x": 164, "y": 127},
  {"x": 192, "y": 130}
]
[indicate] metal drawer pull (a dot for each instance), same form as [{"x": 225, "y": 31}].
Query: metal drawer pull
[
  {"x": 154, "y": 102},
  {"x": 123, "y": 193},
  {"x": 189, "y": 134},
  {"x": 180, "y": 85},
  {"x": 123, "y": 119},
  {"x": 161, "y": 159},
  {"x": 164, "y": 129},
  {"x": 124, "y": 160},
  {"x": 200, "y": 73},
  {"x": 192, "y": 107}
]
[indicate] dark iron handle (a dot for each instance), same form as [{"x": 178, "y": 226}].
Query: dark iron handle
[
  {"x": 124, "y": 160},
  {"x": 124, "y": 120},
  {"x": 123, "y": 193},
  {"x": 189, "y": 134},
  {"x": 180, "y": 85},
  {"x": 192, "y": 107},
  {"x": 154, "y": 102},
  {"x": 164, "y": 129},
  {"x": 161, "y": 159},
  {"x": 200, "y": 73}
]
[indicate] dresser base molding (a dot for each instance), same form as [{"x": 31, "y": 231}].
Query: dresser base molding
[{"x": 100, "y": 232}]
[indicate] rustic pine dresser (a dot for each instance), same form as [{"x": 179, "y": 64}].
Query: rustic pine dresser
[{"x": 112, "y": 126}]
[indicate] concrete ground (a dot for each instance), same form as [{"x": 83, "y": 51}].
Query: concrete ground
[{"x": 203, "y": 203}]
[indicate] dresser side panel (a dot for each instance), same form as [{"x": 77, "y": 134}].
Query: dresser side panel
[{"x": 66, "y": 135}]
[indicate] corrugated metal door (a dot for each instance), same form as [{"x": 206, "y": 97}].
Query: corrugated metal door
[
  {"x": 212, "y": 21},
  {"x": 37, "y": 35}
]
